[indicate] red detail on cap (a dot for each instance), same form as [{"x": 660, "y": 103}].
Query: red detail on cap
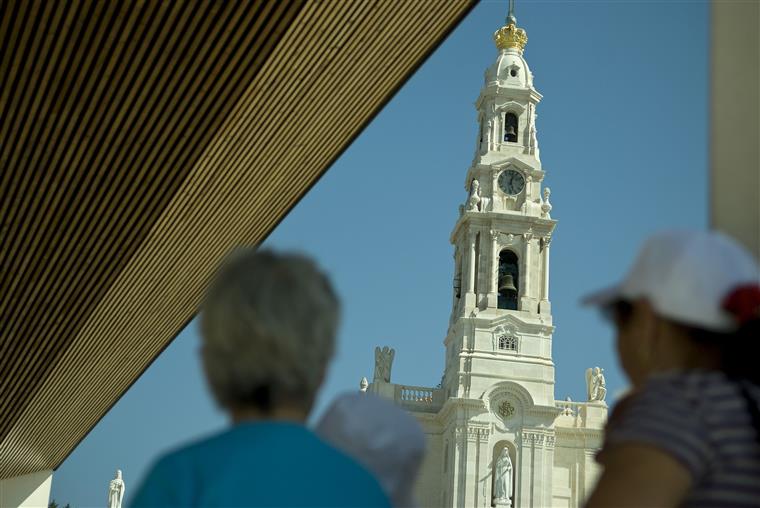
[{"x": 743, "y": 303}]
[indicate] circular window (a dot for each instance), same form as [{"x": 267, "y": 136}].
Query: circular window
[{"x": 513, "y": 73}]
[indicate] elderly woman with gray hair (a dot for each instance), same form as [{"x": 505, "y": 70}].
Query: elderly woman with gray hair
[{"x": 268, "y": 328}]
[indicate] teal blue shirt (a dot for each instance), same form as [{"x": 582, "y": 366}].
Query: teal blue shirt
[{"x": 259, "y": 464}]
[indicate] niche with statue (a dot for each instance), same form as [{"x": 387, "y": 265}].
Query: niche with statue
[{"x": 503, "y": 475}]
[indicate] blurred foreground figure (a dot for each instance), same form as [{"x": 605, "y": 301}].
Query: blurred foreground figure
[
  {"x": 687, "y": 319},
  {"x": 268, "y": 326},
  {"x": 380, "y": 435}
]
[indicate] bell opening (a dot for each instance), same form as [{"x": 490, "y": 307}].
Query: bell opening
[{"x": 508, "y": 280}]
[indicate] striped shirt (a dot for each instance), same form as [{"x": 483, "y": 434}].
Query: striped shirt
[{"x": 701, "y": 419}]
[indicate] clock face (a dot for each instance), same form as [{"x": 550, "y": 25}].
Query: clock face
[{"x": 511, "y": 182}]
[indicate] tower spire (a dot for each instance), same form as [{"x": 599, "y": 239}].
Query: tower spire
[
  {"x": 511, "y": 15},
  {"x": 510, "y": 36}
]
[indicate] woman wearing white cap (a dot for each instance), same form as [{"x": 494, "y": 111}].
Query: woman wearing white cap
[{"x": 688, "y": 319}]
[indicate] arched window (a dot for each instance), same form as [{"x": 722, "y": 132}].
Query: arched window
[
  {"x": 508, "y": 343},
  {"x": 510, "y": 127},
  {"x": 508, "y": 280}
]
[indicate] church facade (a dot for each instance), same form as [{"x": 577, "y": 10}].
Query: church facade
[{"x": 496, "y": 434}]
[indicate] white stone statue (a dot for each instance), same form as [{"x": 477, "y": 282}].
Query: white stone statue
[
  {"x": 473, "y": 200},
  {"x": 568, "y": 410},
  {"x": 546, "y": 206},
  {"x": 363, "y": 384},
  {"x": 596, "y": 384},
  {"x": 116, "y": 491},
  {"x": 383, "y": 363},
  {"x": 502, "y": 484}
]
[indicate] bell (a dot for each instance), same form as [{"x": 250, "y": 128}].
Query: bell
[
  {"x": 506, "y": 284},
  {"x": 511, "y": 131}
]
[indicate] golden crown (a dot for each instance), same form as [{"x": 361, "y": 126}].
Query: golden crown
[{"x": 510, "y": 36}]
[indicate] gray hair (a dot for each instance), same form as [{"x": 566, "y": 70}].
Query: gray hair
[{"x": 268, "y": 323}]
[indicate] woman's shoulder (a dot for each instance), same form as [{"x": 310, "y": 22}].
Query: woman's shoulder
[
  {"x": 695, "y": 386},
  {"x": 681, "y": 392}
]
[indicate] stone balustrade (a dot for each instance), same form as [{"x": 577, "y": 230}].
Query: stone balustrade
[
  {"x": 592, "y": 414},
  {"x": 569, "y": 406},
  {"x": 419, "y": 398}
]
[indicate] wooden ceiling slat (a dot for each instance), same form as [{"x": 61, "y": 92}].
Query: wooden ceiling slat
[
  {"x": 34, "y": 290},
  {"x": 286, "y": 203},
  {"x": 41, "y": 113},
  {"x": 24, "y": 305},
  {"x": 21, "y": 67},
  {"x": 11, "y": 254},
  {"x": 74, "y": 272},
  {"x": 33, "y": 82},
  {"x": 206, "y": 169},
  {"x": 76, "y": 257},
  {"x": 42, "y": 147},
  {"x": 4, "y": 391}
]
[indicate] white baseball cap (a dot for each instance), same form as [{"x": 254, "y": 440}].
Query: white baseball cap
[{"x": 687, "y": 276}]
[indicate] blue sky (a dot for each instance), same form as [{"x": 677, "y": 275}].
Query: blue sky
[{"x": 623, "y": 135}]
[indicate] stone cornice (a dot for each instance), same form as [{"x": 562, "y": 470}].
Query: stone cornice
[
  {"x": 575, "y": 433},
  {"x": 539, "y": 438},
  {"x": 454, "y": 403},
  {"x": 514, "y": 221},
  {"x": 473, "y": 432},
  {"x": 493, "y": 90},
  {"x": 548, "y": 412}
]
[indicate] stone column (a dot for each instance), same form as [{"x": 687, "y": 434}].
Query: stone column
[
  {"x": 459, "y": 466},
  {"x": 590, "y": 475},
  {"x": 548, "y": 470},
  {"x": 489, "y": 135},
  {"x": 526, "y": 300},
  {"x": 539, "y": 468},
  {"x": 545, "y": 306},
  {"x": 470, "y": 294},
  {"x": 524, "y": 486},
  {"x": 499, "y": 128},
  {"x": 483, "y": 500},
  {"x": 493, "y": 280},
  {"x": 471, "y": 472},
  {"x": 536, "y": 475}
]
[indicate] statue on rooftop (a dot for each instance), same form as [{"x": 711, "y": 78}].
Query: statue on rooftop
[
  {"x": 116, "y": 491},
  {"x": 473, "y": 200},
  {"x": 383, "y": 363},
  {"x": 596, "y": 384}
]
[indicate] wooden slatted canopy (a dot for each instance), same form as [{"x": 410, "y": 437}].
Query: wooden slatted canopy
[{"x": 141, "y": 140}]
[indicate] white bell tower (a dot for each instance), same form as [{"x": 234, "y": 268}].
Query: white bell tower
[
  {"x": 502, "y": 238},
  {"x": 496, "y": 434}
]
